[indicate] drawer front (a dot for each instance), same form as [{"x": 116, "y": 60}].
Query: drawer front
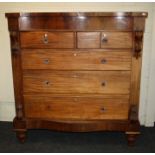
[
  {"x": 76, "y": 107},
  {"x": 76, "y": 60},
  {"x": 116, "y": 40},
  {"x": 108, "y": 82},
  {"x": 104, "y": 40},
  {"x": 47, "y": 39},
  {"x": 88, "y": 40},
  {"x": 75, "y": 22}
]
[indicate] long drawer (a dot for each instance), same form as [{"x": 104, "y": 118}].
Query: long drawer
[
  {"x": 76, "y": 107},
  {"x": 76, "y": 59},
  {"x": 46, "y": 39},
  {"x": 105, "y": 82}
]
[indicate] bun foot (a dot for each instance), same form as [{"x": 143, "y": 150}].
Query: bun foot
[
  {"x": 21, "y": 135},
  {"x": 131, "y": 138}
]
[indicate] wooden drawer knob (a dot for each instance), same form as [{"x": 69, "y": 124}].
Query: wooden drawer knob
[
  {"x": 48, "y": 107},
  {"x": 75, "y": 99},
  {"x": 46, "y": 82},
  {"x": 104, "y": 38},
  {"x": 75, "y": 54},
  {"x": 46, "y": 61},
  {"x": 75, "y": 75},
  {"x": 103, "y": 83},
  {"x": 45, "y": 39},
  {"x": 102, "y": 109},
  {"x": 103, "y": 61}
]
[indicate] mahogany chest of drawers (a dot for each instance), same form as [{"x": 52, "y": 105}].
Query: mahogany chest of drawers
[{"x": 77, "y": 72}]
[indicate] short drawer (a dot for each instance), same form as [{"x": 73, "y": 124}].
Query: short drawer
[
  {"x": 47, "y": 39},
  {"x": 76, "y": 107},
  {"x": 116, "y": 40},
  {"x": 104, "y": 40},
  {"x": 88, "y": 40},
  {"x": 104, "y": 82},
  {"x": 76, "y": 60}
]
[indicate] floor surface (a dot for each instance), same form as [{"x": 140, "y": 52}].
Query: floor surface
[{"x": 60, "y": 142}]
